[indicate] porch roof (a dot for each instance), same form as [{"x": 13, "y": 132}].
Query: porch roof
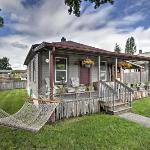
[{"x": 78, "y": 47}]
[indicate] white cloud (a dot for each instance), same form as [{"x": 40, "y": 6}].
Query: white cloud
[
  {"x": 50, "y": 21},
  {"x": 127, "y": 20}
]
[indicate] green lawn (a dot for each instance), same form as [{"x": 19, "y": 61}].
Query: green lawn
[
  {"x": 99, "y": 131},
  {"x": 12, "y": 100},
  {"x": 142, "y": 107}
]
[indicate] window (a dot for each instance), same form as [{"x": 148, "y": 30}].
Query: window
[
  {"x": 103, "y": 71},
  {"x": 29, "y": 72},
  {"x": 60, "y": 69},
  {"x": 34, "y": 71}
]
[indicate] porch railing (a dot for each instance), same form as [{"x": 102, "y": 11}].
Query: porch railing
[
  {"x": 124, "y": 93},
  {"x": 107, "y": 94},
  {"x": 76, "y": 107}
]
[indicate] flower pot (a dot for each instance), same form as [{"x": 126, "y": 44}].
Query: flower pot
[{"x": 87, "y": 66}]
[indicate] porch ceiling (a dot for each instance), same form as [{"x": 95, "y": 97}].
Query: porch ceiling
[
  {"x": 74, "y": 47},
  {"x": 106, "y": 55},
  {"x": 77, "y": 47}
]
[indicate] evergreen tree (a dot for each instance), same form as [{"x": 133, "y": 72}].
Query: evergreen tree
[
  {"x": 117, "y": 48},
  {"x": 130, "y": 47},
  {"x": 1, "y": 21},
  {"x": 4, "y": 64}
]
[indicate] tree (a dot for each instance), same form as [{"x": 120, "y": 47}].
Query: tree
[
  {"x": 117, "y": 48},
  {"x": 74, "y": 5},
  {"x": 130, "y": 46},
  {"x": 4, "y": 64},
  {"x": 1, "y": 21}
]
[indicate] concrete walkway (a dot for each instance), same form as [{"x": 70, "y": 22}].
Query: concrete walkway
[{"x": 145, "y": 121}]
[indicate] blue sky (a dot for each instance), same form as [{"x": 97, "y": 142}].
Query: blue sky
[{"x": 32, "y": 21}]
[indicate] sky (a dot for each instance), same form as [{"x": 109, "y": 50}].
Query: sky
[{"x": 29, "y": 22}]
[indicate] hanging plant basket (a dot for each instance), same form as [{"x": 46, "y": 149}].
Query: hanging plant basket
[
  {"x": 87, "y": 66},
  {"x": 125, "y": 65},
  {"x": 87, "y": 62}
]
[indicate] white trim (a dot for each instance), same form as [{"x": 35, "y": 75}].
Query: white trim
[{"x": 61, "y": 70}]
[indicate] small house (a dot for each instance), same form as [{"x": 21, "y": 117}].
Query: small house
[{"x": 71, "y": 69}]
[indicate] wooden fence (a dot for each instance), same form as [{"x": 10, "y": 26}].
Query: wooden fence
[
  {"x": 74, "y": 108},
  {"x": 134, "y": 77},
  {"x": 12, "y": 85}
]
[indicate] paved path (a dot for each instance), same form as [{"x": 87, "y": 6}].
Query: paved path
[{"x": 136, "y": 118}]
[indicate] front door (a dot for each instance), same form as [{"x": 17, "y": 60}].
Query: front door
[{"x": 84, "y": 75}]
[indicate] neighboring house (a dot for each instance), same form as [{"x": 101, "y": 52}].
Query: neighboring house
[
  {"x": 140, "y": 72},
  {"x": 19, "y": 74},
  {"x": 5, "y": 74},
  {"x": 57, "y": 63},
  {"x": 144, "y": 63},
  {"x": 13, "y": 74}
]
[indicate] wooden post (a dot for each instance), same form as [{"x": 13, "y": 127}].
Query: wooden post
[
  {"x": 116, "y": 62},
  {"x": 140, "y": 75},
  {"x": 51, "y": 72},
  {"x": 51, "y": 77},
  {"x": 99, "y": 74}
]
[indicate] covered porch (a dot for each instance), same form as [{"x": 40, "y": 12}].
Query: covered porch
[{"x": 67, "y": 78}]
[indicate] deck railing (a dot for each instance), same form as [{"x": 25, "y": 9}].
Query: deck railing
[
  {"x": 107, "y": 94},
  {"x": 124, "y": 93},
  {"x": 74, "y": 108}
]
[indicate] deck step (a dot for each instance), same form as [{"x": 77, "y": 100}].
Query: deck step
[
  {"x": 117, "y": 104},
  {"x": 119, "y": 107},
  {"x": 122, "y": 110}
]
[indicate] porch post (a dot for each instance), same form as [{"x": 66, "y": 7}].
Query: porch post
[
  {"x": 51, "y": 72},
  {"x": 99, "y": 73},
  {"x": 140, "y": 75},
  {"x": 116, "y": 62},
  {"x": 149, "y": 71},
  {"x": 51, "y": 79}
]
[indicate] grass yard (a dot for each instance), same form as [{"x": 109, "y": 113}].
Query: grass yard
[
  {"x": 12, "y": 100},
  {"x": 142, "y": 107},
  {"x": 95, "y": 132}
]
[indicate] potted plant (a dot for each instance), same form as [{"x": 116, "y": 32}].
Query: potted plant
[
  {"x": 147, "y": 85},
  {"x": 87, "y": 62},
  {"x": 138, "y": 86}
]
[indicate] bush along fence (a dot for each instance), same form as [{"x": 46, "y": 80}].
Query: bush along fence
[{"x": 12, "y": 85}]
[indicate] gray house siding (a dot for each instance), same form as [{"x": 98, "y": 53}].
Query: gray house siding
[
  {"x": 32, "y": 78},
  {"x": 73, "y": 68},
  {"x": 45, "y": 66}
]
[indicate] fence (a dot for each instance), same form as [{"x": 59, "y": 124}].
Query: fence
[
  {"x": 74, "y": 108},
  {"x": 12, "y": 85},
  {"x": 134, "y": 77}
]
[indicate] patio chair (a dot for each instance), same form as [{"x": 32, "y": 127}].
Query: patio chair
[
  {"x": 75, "y": 82},
  {"x": 76, "y": 85},
  {"x": 47, "y": 93}
]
